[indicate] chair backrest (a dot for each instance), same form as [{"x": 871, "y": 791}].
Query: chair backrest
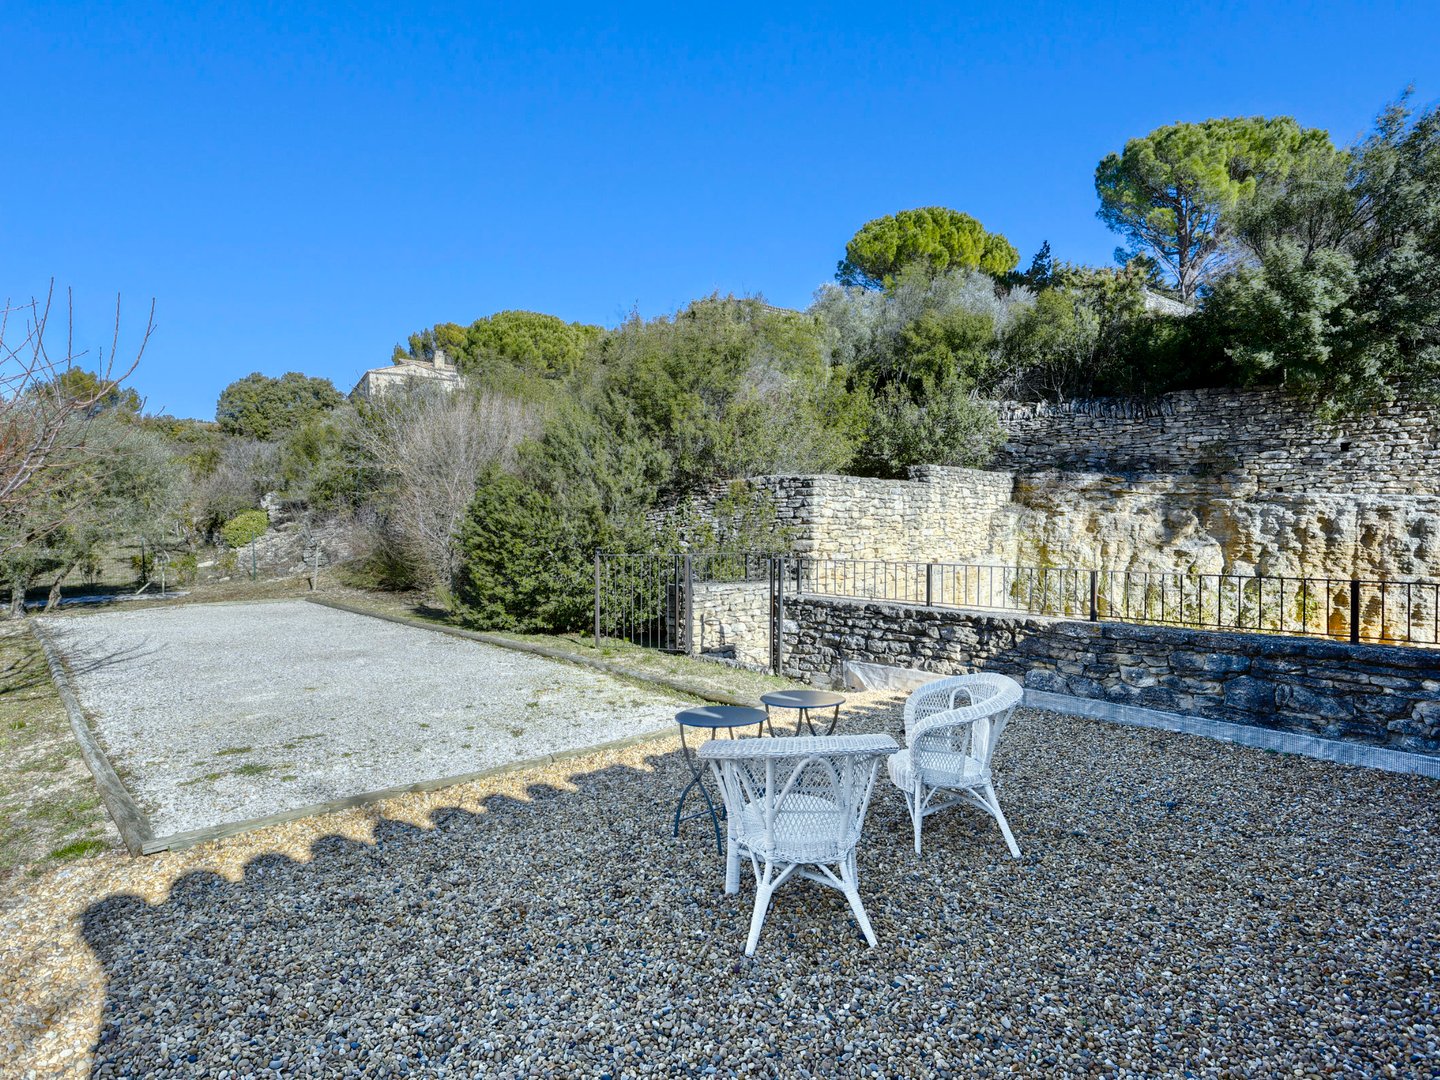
[
  {"x": 982, "y": 692},
  {"x": 806, "y": 795},
  {"x": 955, "y": 725}
]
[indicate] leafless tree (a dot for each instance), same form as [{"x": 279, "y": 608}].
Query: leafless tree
[
  {"x": 44, "y": 421},
  {"x": 246, "y": 471},
  {"x": 431, "y": 445}
]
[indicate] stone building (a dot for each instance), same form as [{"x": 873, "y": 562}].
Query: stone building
[{"x": 377, "y": 382}]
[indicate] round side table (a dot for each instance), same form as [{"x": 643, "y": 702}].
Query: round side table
[
  {"x": 803, "y": 701},
  {"x": 715, "y": 718}
]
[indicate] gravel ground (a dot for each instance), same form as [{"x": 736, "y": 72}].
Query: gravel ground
[
  {"x": 226, "y": 712},
  {"x": 1183, "y": 908}
]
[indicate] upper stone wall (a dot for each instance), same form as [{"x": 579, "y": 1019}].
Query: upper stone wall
[
  {"x": 1261, "y": 441},
  {"x": 939, "y": 513}
]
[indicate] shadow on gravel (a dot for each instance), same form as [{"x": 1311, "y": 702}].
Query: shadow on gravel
[
  {"x": 82, "y": 661},
  {"x": 26, "y": 669},
  {"x": 1182, "y": 906}
]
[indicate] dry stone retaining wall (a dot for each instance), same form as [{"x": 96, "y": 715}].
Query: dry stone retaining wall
[
  {"x": 1211, "y": 482},
  {"x": 1379, "y": 695},
  {"x": 1260, "y": 439},
  {"x": 940, "y": 512}
]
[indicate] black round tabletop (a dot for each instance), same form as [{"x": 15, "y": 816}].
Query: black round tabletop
[
  {"x": 803, "y": 699},
  {"x": 721, "y": 716}
]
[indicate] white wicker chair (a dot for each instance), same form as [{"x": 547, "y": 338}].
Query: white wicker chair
[
  {"x": 796, "y": 806},
  {"x": 951, "y": 728}
]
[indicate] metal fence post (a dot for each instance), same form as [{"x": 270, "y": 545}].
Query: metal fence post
[
  {"x": 1355, "y": 612},
  {"x": 1094, "y": 595},
  {"x": 597, "y": 600},
  {"x": 930, "y": 584},
  {"x": 777, "y": 621},
  {"x": 690, "y": 649}
]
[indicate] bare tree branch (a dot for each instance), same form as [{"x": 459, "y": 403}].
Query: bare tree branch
[
  {"x": 431, "y": 446},
  {"x": 43, "y": 421}
]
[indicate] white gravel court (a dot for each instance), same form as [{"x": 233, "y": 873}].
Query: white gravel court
[{"x": 215, "y": 713}]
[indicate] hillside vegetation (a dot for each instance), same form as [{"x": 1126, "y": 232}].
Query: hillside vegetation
[{"x": 1256, "y": 253}]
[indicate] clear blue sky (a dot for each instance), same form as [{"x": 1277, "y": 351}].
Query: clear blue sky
[{"x": 301, "y": 186}]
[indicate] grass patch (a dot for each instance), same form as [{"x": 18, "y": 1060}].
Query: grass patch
[
  {"x": 77, "y": 849},
  {"x": 234, "y": 750},
  {"x": 253, "y": 769},
  {"x": 208, "y": 778},
  {"x": 701, "y": 675},
  {"x": 295, "y": 743},
  {"x": 50, "y": 811}
]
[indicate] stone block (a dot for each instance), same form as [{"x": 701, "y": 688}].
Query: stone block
[
  {"x": 1136, "y": 676},
  {"x": 1250, "y": 694},
  {"x": 1311, "y": 702},
  {"x": 1427, "y": 716},
  {"x": 1208, "y": 663},
  {"x": 1085, "y": 687},
  {"x": 1050, "y": 681}
]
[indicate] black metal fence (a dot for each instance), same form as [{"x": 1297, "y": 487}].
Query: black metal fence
[
  {"x": 1389, "y": 612},
  {"x": 650, "y": 599}
]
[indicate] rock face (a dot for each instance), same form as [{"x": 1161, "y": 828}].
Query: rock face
[
  {"x": 1210, "y": 482},
  {"x": 288, "y": 551},
  {"x": 1119, "y": 522}
]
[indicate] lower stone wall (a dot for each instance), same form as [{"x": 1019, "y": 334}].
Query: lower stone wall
[
  {"x": 732, "y": 622},
  {"x": 1385, "y": 696}
]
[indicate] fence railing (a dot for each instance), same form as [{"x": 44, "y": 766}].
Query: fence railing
[
  {"x": 650, "y": 599},
  {"x": 1389, "y": 612}
]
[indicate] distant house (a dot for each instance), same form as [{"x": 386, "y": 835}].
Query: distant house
[
  {"x": 1160, "y": 304},
  {"x": 377, "y": 382}
]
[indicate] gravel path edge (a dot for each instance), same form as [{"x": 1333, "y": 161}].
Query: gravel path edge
[
  {"x": 181, "y": 840},
  {"x": 129, "y": 819}
]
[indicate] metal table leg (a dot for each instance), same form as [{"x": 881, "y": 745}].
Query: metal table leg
[
  {"x": 696, "y": 782},
  {"x": 768, "y": 725}
]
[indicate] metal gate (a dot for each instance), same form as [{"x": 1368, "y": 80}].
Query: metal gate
[{"x": 649, "y": 599}]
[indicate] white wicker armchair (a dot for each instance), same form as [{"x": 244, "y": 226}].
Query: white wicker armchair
[
  {"x": 951, "y": 728},
  {"x": 796, "y": 806}
]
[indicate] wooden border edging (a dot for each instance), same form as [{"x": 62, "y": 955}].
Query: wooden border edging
[
  {"x": 678, "y": 685},
  {"x": 177, "y": 841},
  {"x": 134, "y": 826}
]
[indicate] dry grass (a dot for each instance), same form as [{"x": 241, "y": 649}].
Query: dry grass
[
  {"x": 703, "y": 675},
  {"x": 50, "y": 811}
]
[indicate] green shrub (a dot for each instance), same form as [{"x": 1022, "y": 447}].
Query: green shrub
[
  {"x": 527, "y": 558},
  {"x": 244, "y": 527},
  {"x": 943, "y": 425}
]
